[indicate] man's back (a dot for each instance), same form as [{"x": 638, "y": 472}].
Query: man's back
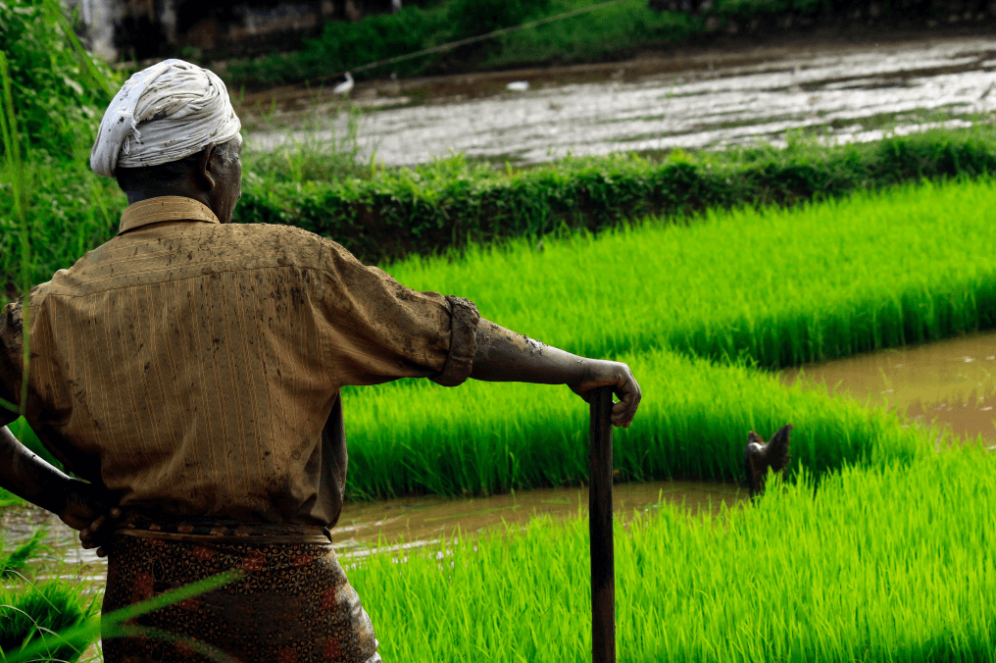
[{"x": 197, "y": 364}]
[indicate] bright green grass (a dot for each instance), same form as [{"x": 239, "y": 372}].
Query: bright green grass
[
  {"x": 891, "y": 563},
  {"x": 825, "y": 280},
  {"x": 693, "y": 422}
]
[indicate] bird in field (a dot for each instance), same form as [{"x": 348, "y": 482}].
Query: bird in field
[
  {"x": 346, "y": 87},
  {"x": 758, "y": 457}
]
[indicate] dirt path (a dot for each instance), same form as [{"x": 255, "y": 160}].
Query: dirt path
[{"x": 709, "y": 100}]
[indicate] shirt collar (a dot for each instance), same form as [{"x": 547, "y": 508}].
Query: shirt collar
[{"x": 165, "y": 208}]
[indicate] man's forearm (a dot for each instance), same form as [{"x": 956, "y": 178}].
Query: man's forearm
[
  {"x": 505, "y": 356},
  {"x": 29, "y": 477}
]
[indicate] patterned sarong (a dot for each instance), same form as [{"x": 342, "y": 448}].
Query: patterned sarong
[{"x": 292, "y": 604}]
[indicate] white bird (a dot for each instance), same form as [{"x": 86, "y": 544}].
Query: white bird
[{"x": 344, "y": 88}]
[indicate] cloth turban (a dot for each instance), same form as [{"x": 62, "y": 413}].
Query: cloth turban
[{"x": 163, "y": 113}]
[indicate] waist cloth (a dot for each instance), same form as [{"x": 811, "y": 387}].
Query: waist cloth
[{"x": 291, "y": 602}]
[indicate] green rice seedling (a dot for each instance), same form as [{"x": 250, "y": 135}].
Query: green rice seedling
[
  {"x": 479, "y": 438},
  {"x": 31, "y": 615},
  {"x": 778, "y": 286},
  {"x": 53, "y": 620},
  {"x": 885, "y": 563},
  {"x": 783, "y": 287},
  {"x": 14, "y": 563}
]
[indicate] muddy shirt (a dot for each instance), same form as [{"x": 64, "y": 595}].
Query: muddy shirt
[{"x": 194, "y": 368}]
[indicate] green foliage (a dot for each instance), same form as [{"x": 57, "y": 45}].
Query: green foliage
[
  {"x": 437, "y": 207},
  {"x": 59, "y": 91},
  {"x": 782, "y": 286},
  {"x": 611, "y": 32},
  {"x": 33, "y": 616},
  {"x": 477, "y": 17},
  {"x": 315, "y": 153},
  {"x": 344, "y": 46},
  {"x": 886, "y": 563},
  {"x": 69, "y": 212}
]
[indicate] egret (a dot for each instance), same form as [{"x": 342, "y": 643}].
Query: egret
[
  {"x": 344, "y": 88},
  {"x": 758, "y": 457}
]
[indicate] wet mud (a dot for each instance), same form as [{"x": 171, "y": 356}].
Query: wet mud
[
  {"x": 842, "y": 93},
  {"x": 399, "y": 524},
  {"x": 951, "y": 382}
]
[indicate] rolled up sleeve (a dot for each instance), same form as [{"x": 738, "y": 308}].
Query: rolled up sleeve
[{"x": 380, "y": 330}]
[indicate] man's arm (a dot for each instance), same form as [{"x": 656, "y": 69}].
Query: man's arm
[
  {"x": 504, "y": 356},
  {"x": 77, "y": 503},
  {"x": 29, "y": 477}
]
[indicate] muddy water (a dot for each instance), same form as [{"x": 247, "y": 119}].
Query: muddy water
[
  {"x": 951, "y": 382},
  {"x": 405, "y": 523},
  {"x": 844, "y": 93}
]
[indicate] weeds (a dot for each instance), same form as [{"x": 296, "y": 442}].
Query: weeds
[{"x": 322, "y": 150}]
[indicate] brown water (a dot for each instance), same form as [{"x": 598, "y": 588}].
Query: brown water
[
  {"x": 412, "y": 522},
  {"x": 840, "y": 92},
  {"x": 952, "y": 382}
]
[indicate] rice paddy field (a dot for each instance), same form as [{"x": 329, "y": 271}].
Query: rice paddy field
[
  {"x": 884, "y": 563},
  {"x": 875, "y": 547},
  {"x": 697, "y": 311}
]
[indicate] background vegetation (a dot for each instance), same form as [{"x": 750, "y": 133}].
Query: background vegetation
[{"x": 614, "y": 32}]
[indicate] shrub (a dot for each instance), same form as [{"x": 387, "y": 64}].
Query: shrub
[{"x": 59, "y": 91}]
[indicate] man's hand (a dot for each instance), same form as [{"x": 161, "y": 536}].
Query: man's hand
[
  {"x": 89, "y": 511},
  {"x": 505, "y": 356},
  {"x": 599, "y": 373}
]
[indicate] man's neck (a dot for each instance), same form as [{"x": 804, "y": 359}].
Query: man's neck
[{"x": 146, "y": 194}]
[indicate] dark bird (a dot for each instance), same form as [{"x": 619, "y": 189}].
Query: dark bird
[{"x": 758, "y": 457}]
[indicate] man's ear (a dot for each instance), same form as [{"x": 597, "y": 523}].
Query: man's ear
[{"x": 205, "y": 175}]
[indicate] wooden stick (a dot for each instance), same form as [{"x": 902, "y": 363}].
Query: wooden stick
[{"x": 603, "y": 582}]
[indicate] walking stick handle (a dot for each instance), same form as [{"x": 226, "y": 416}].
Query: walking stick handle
[{"x": 603, "y": 584}]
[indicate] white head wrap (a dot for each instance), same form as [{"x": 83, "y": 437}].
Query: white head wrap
[{"x": 163, "y": 113}]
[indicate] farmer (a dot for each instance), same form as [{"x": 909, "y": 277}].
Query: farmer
[{"x": 189, "y": 372}]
